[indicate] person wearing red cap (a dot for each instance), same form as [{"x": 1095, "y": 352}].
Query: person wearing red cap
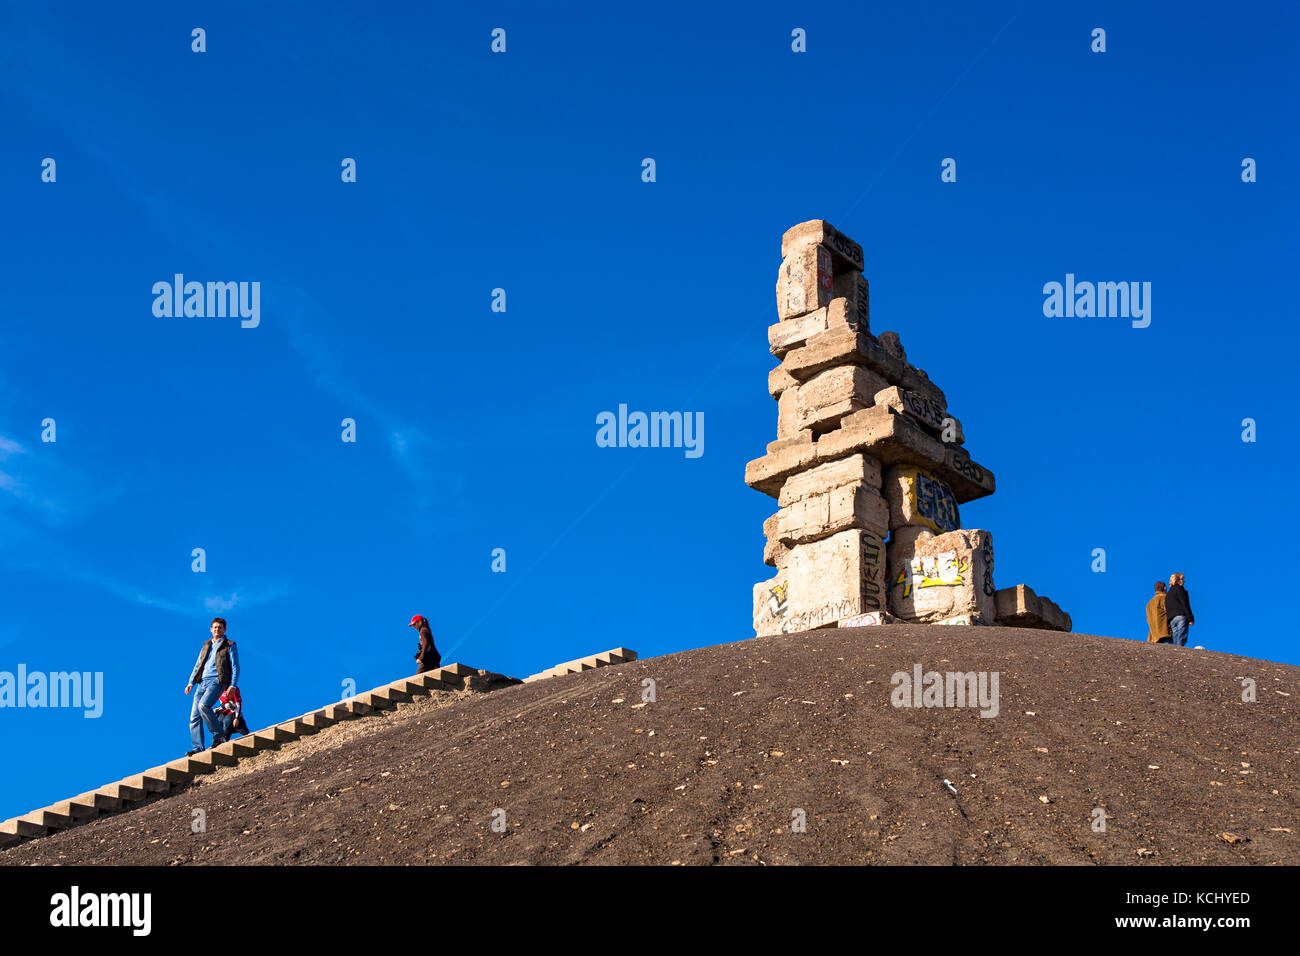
[{"x": 427, "y": 655}]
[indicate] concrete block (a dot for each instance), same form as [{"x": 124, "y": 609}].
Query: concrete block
[
  {"x": 823, "y": 400},
  {"x": 893, "y": 438},
  {"x": 768, "y": 474},
  {"x": 917, "y": 497},
  {"x": 846, "y": 253},
  {"x": 1019, "y": 606},
  {"x": 851, "y": 287},
  {"x": 838, "y": 509},
  {"x": 774, "y": 552},
  {"x": 778, "y": 380},
  {"x": 803, "y": 283},
  {"x": 936, "y": 577},
  {"x": 793, "y": 333},
  {"x": 824, "y": 581},
  {"x": 870, "y": 619},
  {"x": 787, "y": 415},
  {"x": 929, "y": 413},
  {"x": 853, "y": 470},
  {"x": 770, "y": 605},
  {"x": 841, "y": 346},
  {"x": 804, "y": 437}
]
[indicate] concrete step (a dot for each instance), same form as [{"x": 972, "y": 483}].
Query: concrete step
[
  {"x": 21, "y": 828},
  {"x": 124, "y": 791},
  {"x": 246, "y": 746},
  {"x": 319, "y": 719},
  {"x": 172, "y": 776},
  {"x": 48, "y": 818},
  {"x": 77, "y": 812},
  {"x": 98, "y": 801},
  {"x": 191, "y": 766},
  {"x": 149, "y": 782}
]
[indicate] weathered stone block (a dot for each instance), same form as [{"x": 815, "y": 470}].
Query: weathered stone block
[
  {"x": 851, "y": 285},
  {"x": 778, "y": 380},
  {"x": 830, "y": 395},
  {"x": 804, "y": 281},
  {"x": 943, "y": 576},
  {"x": 837, "y": 577},
  {"x": 885, "y": 435},
  {"x": 924, "y": 409},
  {"x": 841, "y": 346},
  {"x": 804, "y": 437},
  {"x": 774, "y": 552},
  {"x": 768, "y": 473},
  {"x": 917, "y": 497},
  {"x": 870, "y": 619},
  {"x": 1019, "y": 606},
  {"x": 848, "y": 254},
  {"x": 793, "y": 333},
  {"x": 771, "y": 606},
  {"x": 788, "y": 413},
  {"x": 856, "y": 469},
  {"x": 837, "y": 509}
]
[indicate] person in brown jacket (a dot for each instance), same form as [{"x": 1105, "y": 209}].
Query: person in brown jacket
[
  {"x": 426, "y": 654},
  {"x": 1157, "y": 624}
]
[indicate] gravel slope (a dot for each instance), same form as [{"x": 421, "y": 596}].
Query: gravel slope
[{"x": 742, "y": 736}]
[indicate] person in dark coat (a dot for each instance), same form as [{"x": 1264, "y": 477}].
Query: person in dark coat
[
  {"x": 426, "y": 654},
  {"x": 1178, "y": 608}
]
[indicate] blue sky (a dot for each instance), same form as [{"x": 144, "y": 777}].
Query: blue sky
[{"x": 476, "y": 429}]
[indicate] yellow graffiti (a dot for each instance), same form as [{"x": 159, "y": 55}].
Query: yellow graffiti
[{"x": 777, "y": 603}]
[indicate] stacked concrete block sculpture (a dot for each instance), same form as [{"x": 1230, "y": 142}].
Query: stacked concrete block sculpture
[{"x": 868, "y": 467}]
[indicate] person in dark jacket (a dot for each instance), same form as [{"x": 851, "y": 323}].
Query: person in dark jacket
[
  {"x": 1178, "y": 608},
  {"x": 215, "y": 672},
  {"x": 426, "y": 654}
]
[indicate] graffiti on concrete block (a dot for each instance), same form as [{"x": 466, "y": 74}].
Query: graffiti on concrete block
[
  {"x": 873, "y": 571},
  {"x": 825, "y": 277},
  {"x": 827, "y": 613},
  {"x": 933, "y": 501},
  {"x": 933, "y": 571},
  {"x": 776, "y": 601},
  {"x": 986, "y": 553},
  {"x": 870, "y": 619}
]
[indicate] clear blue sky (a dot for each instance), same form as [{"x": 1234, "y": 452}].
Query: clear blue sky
[{"x": 476, "y": 429}]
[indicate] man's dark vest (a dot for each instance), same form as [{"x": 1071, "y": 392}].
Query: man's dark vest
[{"x": 223, "y": 662}]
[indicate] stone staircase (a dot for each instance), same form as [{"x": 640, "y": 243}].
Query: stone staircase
[
  {"x": 122, "y": 794},
  {"x": 619, "y": 655}
]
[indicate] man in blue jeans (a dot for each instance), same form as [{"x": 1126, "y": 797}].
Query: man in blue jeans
[
  {"x": 1178, "y": 608},
  {"x": 215, "y": 672}
]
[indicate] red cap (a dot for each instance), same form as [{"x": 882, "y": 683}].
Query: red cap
[{"x": 418, "y": 619}]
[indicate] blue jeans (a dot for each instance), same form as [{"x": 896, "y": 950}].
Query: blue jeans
[
  {"x": 1178, "y": 627},
  {"x": 207, "y": 694}
]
